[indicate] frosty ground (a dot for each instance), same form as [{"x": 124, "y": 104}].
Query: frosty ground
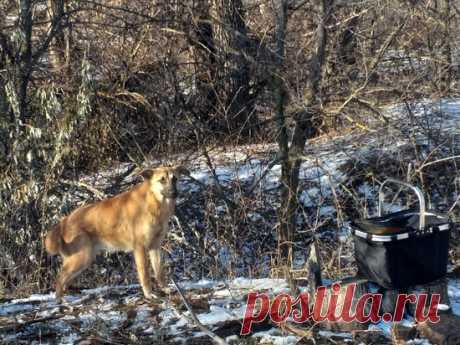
[
  {"x": 119, "y": 314},
  {"x": 333, "y": 189}
]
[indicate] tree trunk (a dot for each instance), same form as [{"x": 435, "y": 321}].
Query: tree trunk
[
  {"x": 446, "y": 48},
  {"x": 305, "y": 127},
  {"x": 4, "y": 111},
  {"x": 282, "y": 136},
  {"x": 4, "y": 106},
  {"x": 230, "y": 36},
  {"x": 21, "y": 69},
  {"x": 204, "y": 52},
  {"x": 58, "y": 48}
]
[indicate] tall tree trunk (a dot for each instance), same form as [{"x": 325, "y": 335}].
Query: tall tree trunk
[
  {"x": 4, "y": 112},
  {"x": 305, "y": 127},
  {"x": 446, "y": 47},
  {"x": 204, "y": 52},
  {"x": 230, "y": 35},
  {"x": 4, "y": 106},
  {"x": 284, "y": 238},
  {"x": 23, "y": 68}
]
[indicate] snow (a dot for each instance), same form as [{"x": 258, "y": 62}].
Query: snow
[
  {"x": 69, "y": 339},
  {"x": 104, "y": 289},
  {"x": 384, "y": 327},
  {"x": 328, "y": 334},
  {"x": 276, "y": 337},
  {"x": 443, "y": 307},
  {"x": 453, "y": 290},
  {"x": 219, "y": 314},
  {"x": 232, "y": 339},
  {"x": 108, "y": 314},
  {"x": 275, "y": 285},
  {"x": 35, "y": 298},
  {"x": 310, "y": 197},
  {"x": 418, "y": 341},
  {"x": 11, "y": 308},
  {"x": 201, "y": 284},
  {"x": 321, "y": 179}
]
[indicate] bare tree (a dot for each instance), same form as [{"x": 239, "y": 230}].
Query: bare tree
[
  {"x": 446, "y": 73},
  {"x": 22, "y": 53},
  {"x": 230, "y": 35},
  {"x": 204, "y": 51},
  {"x": 19, "y": 53},
  {"x": 305, "y": 122},
  {"x": 282, "y": 136}
]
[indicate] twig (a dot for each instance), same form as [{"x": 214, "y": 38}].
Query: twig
[
  {"x": 438, "y": 161},
  {"x": 369, "y": 70},
  {"x": 220, "y": 190},
  {"x": 301, "y": 332},
  {"x": 218, "y": 340},
  {"x": 453, "y": 205},
  {"x": 262, "y": 176},
  {"x": 100, "y": 195}
]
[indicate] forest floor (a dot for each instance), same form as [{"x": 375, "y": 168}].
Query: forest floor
[
  {"x": 333, "y": 182},
  {"x": 119, "y": 315}
]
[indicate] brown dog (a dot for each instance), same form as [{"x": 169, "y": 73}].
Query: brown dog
[{"x": 136, "y": 220}]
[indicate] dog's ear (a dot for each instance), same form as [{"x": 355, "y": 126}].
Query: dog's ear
[
  {"x": 181, "y": 170},
  {"x": 147, "y": 173}
]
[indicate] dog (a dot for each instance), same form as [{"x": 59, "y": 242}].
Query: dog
[{"x": 134, "y": 221}]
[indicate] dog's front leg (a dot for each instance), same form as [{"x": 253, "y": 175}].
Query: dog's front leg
[
  {"x": 140, "y": 258},
  {"x": 156, "y": 261}
]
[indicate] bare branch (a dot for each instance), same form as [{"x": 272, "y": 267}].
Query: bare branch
[{"x": 218, "y": 340}]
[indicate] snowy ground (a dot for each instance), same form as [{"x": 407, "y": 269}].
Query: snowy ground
[{"x": 118, "y": 314}]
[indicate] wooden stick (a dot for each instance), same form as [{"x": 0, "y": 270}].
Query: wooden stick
[{"x": 218, "y": 340}]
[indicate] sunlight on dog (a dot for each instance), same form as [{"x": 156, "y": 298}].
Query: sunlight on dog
[{"x": 134, "y": 221}]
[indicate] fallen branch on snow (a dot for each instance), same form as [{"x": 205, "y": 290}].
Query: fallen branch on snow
[{"x": 218, "y": 340}]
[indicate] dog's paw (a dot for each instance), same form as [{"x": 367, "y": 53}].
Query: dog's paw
[
  {"x": 166, "y": 290},
  {"x": 160, "y": 293},
  {"x": 160, "y": 282},
  {"x": 155, "y": 298},
  {"x": 148, "y": 295}
]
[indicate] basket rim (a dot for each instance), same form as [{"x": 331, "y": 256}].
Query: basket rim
[{"x": 401, "y": 236}]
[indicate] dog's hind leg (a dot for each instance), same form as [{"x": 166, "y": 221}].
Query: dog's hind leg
[
  {"x": 140, "y": 258},
  {"x": 75, "y": 263}
]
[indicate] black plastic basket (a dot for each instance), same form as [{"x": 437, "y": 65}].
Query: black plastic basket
[{"x": 402, "y": 249}]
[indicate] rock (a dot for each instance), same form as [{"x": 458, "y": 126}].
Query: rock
[
  {"x": 371, "y": 338},
  {"x": 445, "y": 332},
  {"x": 341, "y": 326},
  {"x": 437, "y": 287},
  {"x": 402, "y": 333}
]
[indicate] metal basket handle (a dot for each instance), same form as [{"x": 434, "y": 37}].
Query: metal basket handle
[{"x": 417, "y": 191}]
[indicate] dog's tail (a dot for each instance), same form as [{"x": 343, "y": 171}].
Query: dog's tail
[{"x": 53, "y": 241}]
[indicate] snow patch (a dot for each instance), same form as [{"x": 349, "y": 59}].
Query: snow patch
[
  {"x": 276, "y": 337},
  {"x": 453, "y": 290}
]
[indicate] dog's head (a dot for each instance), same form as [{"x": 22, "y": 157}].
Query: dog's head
[{"x": 163, "y": 180}]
